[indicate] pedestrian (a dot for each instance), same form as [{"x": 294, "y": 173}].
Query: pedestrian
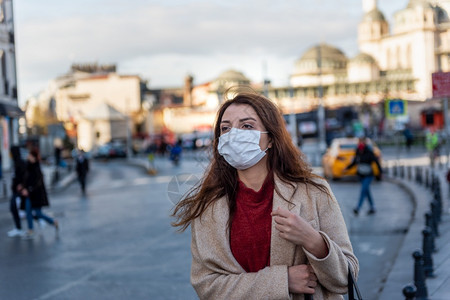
[
  {"x": 18, "y": 179},
  {"x": 57, "y": 153},
  {"x": 175, "y": 152},
  {"x": 82, "y": 167},
  {"x": 448, "y": 181},
  {"x": 432, "y": 145},
  {"x": 263, "y": 225},
  {"x": 364, "y": 157},
  {"x": 409, "y": 138},
  {"x": 35, "y": 193}
]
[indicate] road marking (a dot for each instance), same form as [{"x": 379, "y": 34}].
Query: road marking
[
  {"x": 368, "y": 248},
  {"x": 81, "y": 279}
]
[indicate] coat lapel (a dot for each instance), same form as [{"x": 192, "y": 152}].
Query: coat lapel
[{"x": 282, "y": 252}]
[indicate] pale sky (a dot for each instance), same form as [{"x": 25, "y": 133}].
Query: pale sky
[{"x": 165, "y": 40}]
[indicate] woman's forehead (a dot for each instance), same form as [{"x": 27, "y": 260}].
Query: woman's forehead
[{"x": 239, "y": 111}]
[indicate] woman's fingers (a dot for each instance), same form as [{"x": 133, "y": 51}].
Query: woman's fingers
[
  {"x": 280, "y": 220},
  {"x": 281, "y": 212}
]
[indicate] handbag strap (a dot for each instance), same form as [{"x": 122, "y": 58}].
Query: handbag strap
[{"x": 352, "y": 287}]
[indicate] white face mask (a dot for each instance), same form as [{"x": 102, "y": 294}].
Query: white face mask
[{"x": 240, "y": 148}]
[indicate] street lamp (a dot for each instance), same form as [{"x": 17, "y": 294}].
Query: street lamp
[
  {"x": 292, "y": 117},
  {"x": 321, "y": 109}
]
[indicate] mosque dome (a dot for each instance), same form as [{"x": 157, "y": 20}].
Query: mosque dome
[
  {"x": 363, "y": 58},
  {"x": 373, "y": 16},
  {"x": 233, "y": 76},
  {"x": 332, "y": 59}
]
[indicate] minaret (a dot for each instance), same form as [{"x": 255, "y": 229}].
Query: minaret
[
  {"x": 187, "y": 91},
  {"x": 369, "y": 5},
  {"x": 372, "y": 29}
]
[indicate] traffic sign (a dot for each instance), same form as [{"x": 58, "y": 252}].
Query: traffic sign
[
  {"x": 395, "y": 108},
  {"x": 441, "y": 84}
]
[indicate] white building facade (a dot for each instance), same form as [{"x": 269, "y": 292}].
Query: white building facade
[
  {"x": 9, "y": 110},
  {"x": 418, "y": 43},
  {"x": 394, "y": 61}
]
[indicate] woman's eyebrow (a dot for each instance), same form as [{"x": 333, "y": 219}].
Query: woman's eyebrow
[
  {"x": 240, "y": 120},
  {"x": 246, "y": 119}
]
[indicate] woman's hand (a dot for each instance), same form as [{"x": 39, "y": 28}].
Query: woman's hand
[
  {"x": 301, "y": 279},
  {"x": 24, "y": 192},
  {"x": 296, "y": 230}
]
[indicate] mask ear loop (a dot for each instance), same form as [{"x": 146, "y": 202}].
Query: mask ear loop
[{"x": 269, "y": 142}]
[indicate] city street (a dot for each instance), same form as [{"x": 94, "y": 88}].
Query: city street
[
  {"x": 117, "y": 242},
  {"x": 360, "y": 88}
]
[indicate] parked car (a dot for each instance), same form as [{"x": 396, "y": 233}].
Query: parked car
[
  {"x": 341, "y": 153},
  {"x": 111, "y": 150}
]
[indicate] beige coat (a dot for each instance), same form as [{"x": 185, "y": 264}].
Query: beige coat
[{"x": 215, "y": 273}]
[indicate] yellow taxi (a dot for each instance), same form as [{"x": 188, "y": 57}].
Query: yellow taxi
[{"x": 341, "y": 153}]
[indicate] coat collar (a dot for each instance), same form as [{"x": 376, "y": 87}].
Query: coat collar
[{"x": 282, "y": 252}]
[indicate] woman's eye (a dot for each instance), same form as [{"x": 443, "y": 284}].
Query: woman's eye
[
  {"x": 247, "y": 126},
  {"x": 224, "y": 129}
]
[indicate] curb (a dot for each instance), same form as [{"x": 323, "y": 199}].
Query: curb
[{"x": 402, "y": 271}]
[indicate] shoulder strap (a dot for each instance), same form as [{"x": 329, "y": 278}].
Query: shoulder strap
[{"x": 352, "y": 287}]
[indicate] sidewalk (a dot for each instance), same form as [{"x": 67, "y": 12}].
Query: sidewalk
[{"x": 402, "y": 272}]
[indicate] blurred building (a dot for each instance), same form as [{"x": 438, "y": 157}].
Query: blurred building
[
  {"x": 9, "y": 110},
  {"x": 394, "y": 62},
  {"x": 94, "y": 103},
  {"x": 191, "y": 108}
]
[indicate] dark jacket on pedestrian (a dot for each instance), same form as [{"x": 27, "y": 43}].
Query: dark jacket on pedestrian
[
  {"x": 82, "y": 166},
  {"x": 364, "y": 156},
  {"x": 34, "y": 183},
  {"x": 20, "y": 168}
]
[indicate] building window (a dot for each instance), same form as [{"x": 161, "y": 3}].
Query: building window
[
  {"x": 3, "y": 71},
  {"x": 408, "y": 56},
  {"x": 388, "y": 59},
  {"x": 2, "y": 11}
]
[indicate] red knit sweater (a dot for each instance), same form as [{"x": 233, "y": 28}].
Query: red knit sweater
[{"x": 251, "y": 226}]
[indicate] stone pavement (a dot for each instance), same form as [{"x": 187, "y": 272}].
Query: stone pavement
[{"x": 402, "y": 272}]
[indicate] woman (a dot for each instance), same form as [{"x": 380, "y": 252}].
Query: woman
[
  {"x": 35, "y": 193},
  {"x": 364, "y": 157},
  {"x": 18, "y": 178},
  {"x": 263, "y": 226}
]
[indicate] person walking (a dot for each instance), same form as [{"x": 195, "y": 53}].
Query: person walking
[
  {"x": 33, "y": 190},
  {"x": 18, "y": 178},
  {"x": 263, "y": 226},
  {"x": 175, "y": 152},
  {"x": 364, "y": 157},
  {"x": 432, "y": 145},
  {"x": 82, "y": 168},
  {"x": 409, "y": 138}
]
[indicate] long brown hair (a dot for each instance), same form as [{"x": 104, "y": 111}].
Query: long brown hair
[{"x": 221, "y": 179}]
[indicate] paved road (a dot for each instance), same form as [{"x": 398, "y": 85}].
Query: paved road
[
  {"x": 375, "y": 238},
  {"x": 117, "y": 243}
]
